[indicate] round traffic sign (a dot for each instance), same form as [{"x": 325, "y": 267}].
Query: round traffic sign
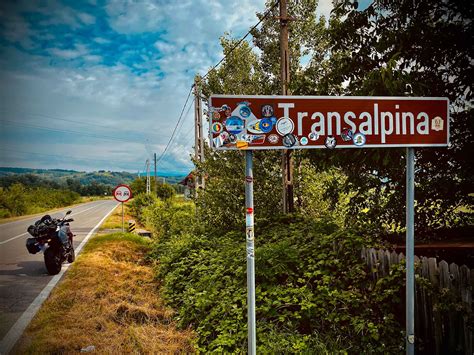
[{"x": 122, "y": 193}]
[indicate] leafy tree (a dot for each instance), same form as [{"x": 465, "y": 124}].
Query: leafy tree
[
  {"x": 138, "y": 186},
  {"x": 377, "y": 52},
  {"x": 165, "y": 191}
]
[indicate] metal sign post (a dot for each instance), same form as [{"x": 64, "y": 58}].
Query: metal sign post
[
  {"x": 122, "y": 193},
  {"x": 410, "y": 251},
  {"x": 123, "y": 230},
  {"x": 249, "y": 223}
]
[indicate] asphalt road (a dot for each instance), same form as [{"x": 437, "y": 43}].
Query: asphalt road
[{"x": 22, "y": 275}]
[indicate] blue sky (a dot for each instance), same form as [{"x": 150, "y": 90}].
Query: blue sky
[{"x": 92, "y": 85}]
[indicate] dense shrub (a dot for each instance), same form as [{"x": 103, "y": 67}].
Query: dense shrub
[
  {"x": 312, "y": 289},
  {"x": 139, "y": 202},
  {"x": 167, "y": 218}
]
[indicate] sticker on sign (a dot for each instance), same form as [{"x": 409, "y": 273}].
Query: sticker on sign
[
  {"x": 308, "y": 122},
  {"x": 122, "y": 193}
]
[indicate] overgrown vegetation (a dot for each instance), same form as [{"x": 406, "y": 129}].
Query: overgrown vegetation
[
  {"x": 313, "y": 292},
  {"x": 18, "y": 200}
]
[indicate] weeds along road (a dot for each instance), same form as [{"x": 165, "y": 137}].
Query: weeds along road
[{"x": 23, "y": 276}]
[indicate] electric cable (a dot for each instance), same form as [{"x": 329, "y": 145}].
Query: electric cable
[
  {"x": 68, "y": 131},
  {"x": 177, "y": 123}
]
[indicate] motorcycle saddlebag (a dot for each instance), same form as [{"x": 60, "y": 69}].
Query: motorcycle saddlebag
[{"x": 32, "y": 246}]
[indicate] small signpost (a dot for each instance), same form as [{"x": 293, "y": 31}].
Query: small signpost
[
  {"x": 122, "y": 193},
  {"x": 328, "y": 122}
]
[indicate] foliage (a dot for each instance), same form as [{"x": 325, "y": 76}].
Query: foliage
[
  {"x": 139, "y": 202},
  {"x": 376, "y": 52},
  {"x": 310, "y": 284},
  {"x": 18, "y": 200},
  {"x": 167, "y": 218}
]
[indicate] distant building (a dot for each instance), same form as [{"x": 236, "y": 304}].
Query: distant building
[{"x": 188, "y": 183}]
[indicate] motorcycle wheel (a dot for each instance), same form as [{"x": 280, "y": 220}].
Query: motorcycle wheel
[
  {"x": 52, "y": 260},
  {"x": 72, "y": 255}
]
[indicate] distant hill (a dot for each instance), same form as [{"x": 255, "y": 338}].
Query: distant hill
[{"x": 60, "y": 177}]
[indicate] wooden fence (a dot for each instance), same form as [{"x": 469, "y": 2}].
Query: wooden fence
[{"x": 438, "y": 330}]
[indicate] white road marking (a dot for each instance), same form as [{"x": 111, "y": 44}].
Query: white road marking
[
  {"x": 75, "y": 214},
  {"x": 13, "y": 238},
  {"x": 20, "y": 325}
]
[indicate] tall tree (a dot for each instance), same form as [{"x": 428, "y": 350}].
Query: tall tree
[{"x": 378, "y": 51}]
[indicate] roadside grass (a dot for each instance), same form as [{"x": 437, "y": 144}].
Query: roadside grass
[
  {"x": 115, "y": 219},
  {"x": 108, "y": 299}
]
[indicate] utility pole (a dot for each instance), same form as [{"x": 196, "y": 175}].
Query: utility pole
[
  {"x": 148, "y": 190},
  {"x": 198, "y": 135},
  {"x": 286, "y": 159},
  {"x": 155, "y": 176}
]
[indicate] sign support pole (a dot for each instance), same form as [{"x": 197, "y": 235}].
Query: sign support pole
[
  {"x": 249, "y": 223},
  {"x": 122, "y": 219},
  {"x": 410, "y": 251}
]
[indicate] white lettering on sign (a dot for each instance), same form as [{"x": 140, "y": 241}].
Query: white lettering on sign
[{"x": 330, "y": 123}]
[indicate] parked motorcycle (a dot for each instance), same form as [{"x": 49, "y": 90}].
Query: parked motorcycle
[{"x": 54, "y": 238}]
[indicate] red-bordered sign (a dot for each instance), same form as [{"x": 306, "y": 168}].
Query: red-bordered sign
[
  {"x": 122, "y": 193},
  {"x": 309, "y": 122}
]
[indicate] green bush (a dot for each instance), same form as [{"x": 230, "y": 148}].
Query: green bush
[
  {"x": 139, "y": 202},
  {"x": 310, "y": 283},
  {"x": 165, "y": 191}
]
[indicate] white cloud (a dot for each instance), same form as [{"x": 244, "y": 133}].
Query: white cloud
[{"x": 86, "y": 18}]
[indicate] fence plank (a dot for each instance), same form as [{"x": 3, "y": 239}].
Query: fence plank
[{"x": 440, "y": 330}]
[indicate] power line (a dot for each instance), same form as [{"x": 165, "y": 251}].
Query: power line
[
  {"x": 60, "y": 119},
  {"x": 243, "y": 38},
  {"x": 68, "y": 131},
  {"x": 177, "y": 123}
]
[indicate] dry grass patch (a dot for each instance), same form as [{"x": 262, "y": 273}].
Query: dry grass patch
[{"x": 108, "y": 299}]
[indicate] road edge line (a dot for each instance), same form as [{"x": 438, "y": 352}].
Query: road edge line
[{"x": 15, "y": 332}]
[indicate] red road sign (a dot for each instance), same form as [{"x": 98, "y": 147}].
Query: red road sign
[
  {"x": 302, "y": 122},
  {"x": 122, "y": 193}
]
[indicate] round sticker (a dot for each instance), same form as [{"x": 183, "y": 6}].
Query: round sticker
[
  {"x": 330, "y": 142},
  {"x": 267, "y": 110},
  {"x": 265, "y": 125},
  {"x": 284, "y": 126},
  {"x": 217, "y": 127},
  {"x": 303, "y": 141},
  {"x": 313, "y": 136},
  {"x": 216, "y": 115},
  {"x": 359, "y": 139},
  {"x": 273, "y": 138},
  {"x": 346, "y": 135},
  {"x": 289, "y": 140},
  {"x": 245, "y": 111},
  {"x": 234, "y": 125}
]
